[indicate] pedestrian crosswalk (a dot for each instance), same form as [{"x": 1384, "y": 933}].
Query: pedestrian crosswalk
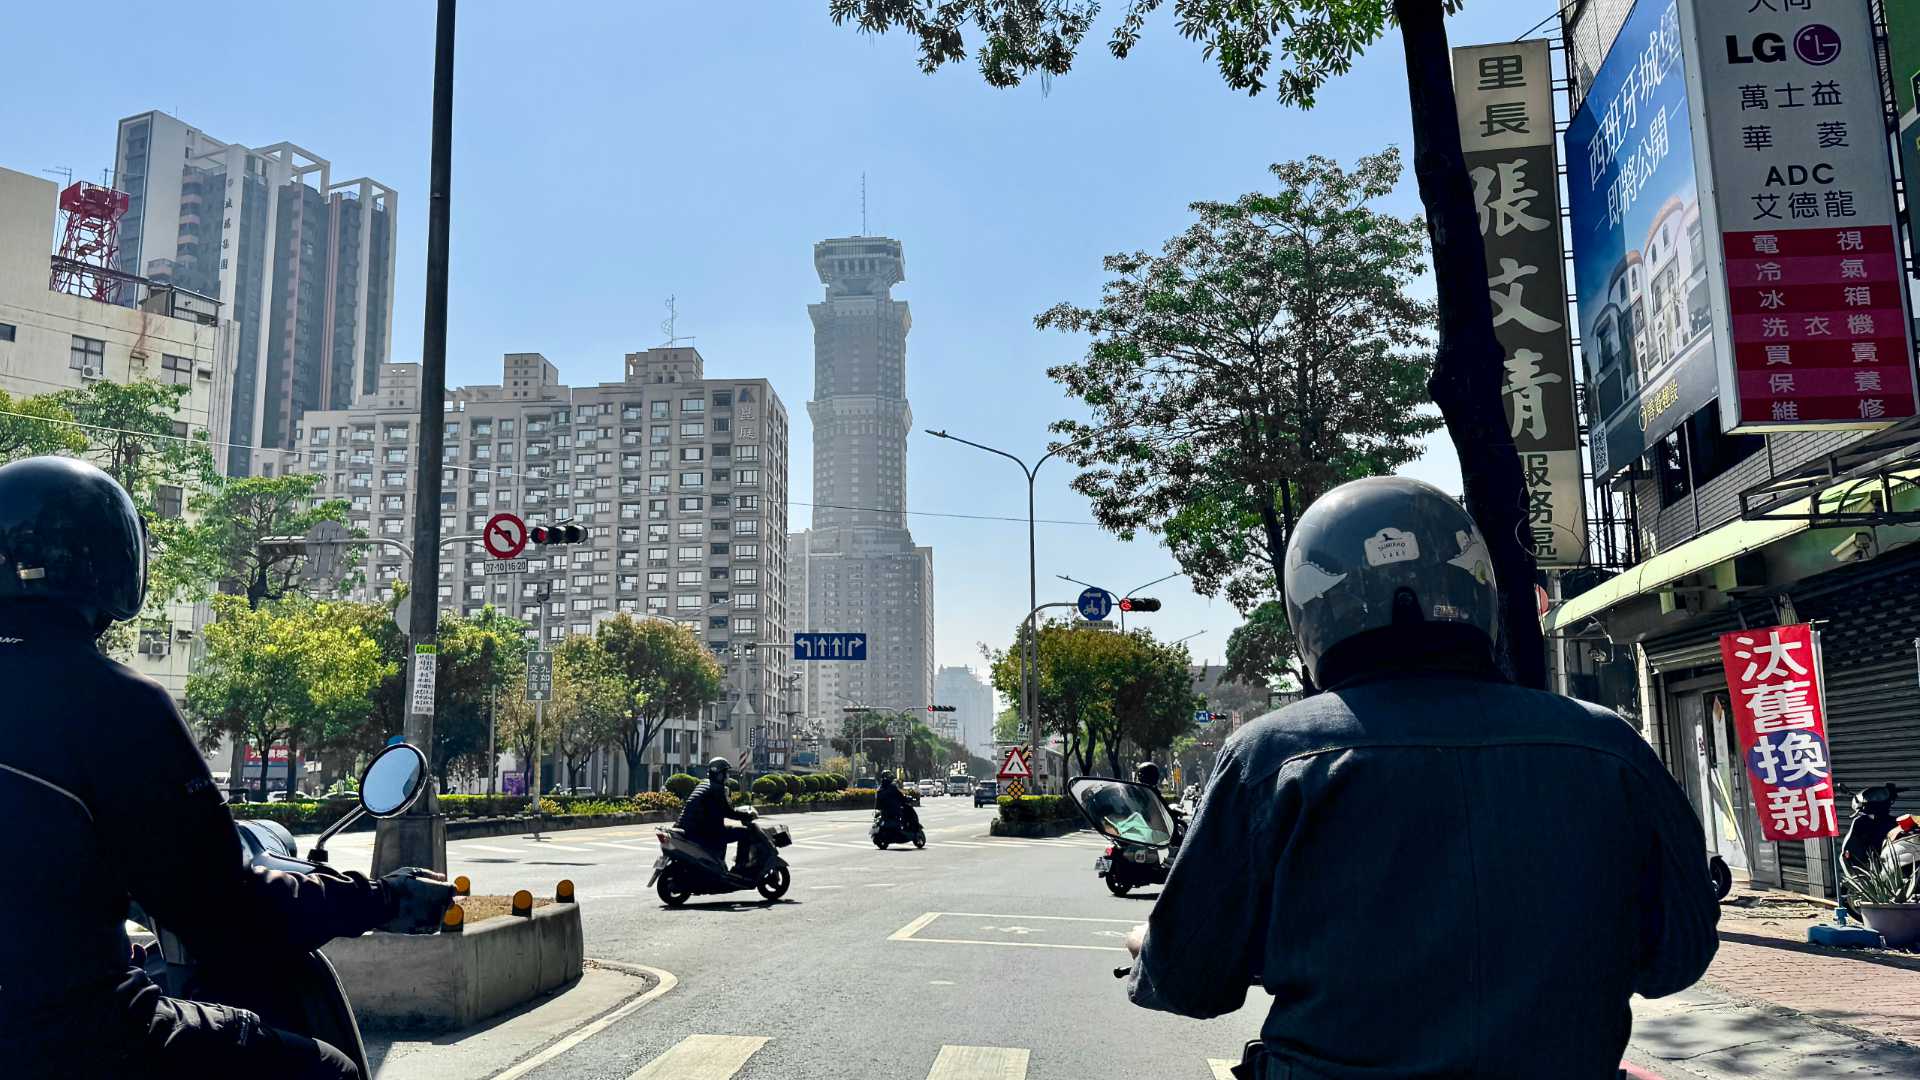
[{"x": 722, "y": 1057}]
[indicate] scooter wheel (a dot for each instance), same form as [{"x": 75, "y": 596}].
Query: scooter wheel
[
  {"x": 1117, "y": 888},
  {"x": 920, "y": 840},
  {"x": 775, "y": 885},
  {"x": 881, "y": 844},
  {"x": 672, "y": 892}
]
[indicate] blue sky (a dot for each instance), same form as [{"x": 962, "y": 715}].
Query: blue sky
[{"x": 608, "y": 155}]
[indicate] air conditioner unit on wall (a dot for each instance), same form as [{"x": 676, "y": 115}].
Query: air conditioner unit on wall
[{"x": 89, "y": 373}]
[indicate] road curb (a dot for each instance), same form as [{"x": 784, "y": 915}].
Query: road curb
[{"x": 665, "y": 981}]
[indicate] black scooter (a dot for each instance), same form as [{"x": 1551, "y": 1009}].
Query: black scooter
[
  {"x": 893, "y": 830},
  {"x": 1127, "y": 866},
  {"x": 300, "y": 993},
  {"x": 1872, "y": 820},
  {"x": 686, "y": 867}
]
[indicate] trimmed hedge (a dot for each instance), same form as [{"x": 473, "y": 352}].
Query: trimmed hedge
[
  {"x": 681, "y": 785},
  {"x": 1037, "y": 808}
]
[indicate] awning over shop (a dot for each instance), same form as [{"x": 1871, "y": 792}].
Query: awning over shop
[{"x": 1700, "y": 553}]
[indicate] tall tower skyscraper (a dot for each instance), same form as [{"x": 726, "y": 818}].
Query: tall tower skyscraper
[{"x": 857, "y": 568}]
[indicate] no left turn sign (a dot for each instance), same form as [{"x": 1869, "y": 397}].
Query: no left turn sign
[{"x": 505, "y": 536}]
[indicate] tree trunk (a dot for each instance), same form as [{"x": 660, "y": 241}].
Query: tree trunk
[
  {"x": 632, "y": 754},
  {"x": 292, "y": 786},
  {"x": 1469, "y": 364},
  {"x": 1277, "y": 533}
]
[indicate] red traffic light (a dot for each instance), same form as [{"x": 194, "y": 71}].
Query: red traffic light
[
  {"x": 556, "y": 534},
  {"x": 1139, "y": 603}
]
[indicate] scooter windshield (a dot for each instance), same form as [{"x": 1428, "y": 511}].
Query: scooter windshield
[{"x": 1135, "y": 827}]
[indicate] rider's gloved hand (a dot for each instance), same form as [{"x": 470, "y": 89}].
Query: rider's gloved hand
[{"x": 417, "y": 899}]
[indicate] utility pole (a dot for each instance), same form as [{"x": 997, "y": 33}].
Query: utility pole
[{"x": 419, "y": 836}]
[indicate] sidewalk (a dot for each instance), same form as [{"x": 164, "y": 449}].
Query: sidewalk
[{"x": 1773, "y": 1006}]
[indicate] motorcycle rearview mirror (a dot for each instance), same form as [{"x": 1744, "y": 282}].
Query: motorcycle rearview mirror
[
  {"x": 1122, "y": 810},
  {"x": 393, "y": 780}
]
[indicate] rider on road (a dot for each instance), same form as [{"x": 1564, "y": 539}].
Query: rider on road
[
  {"x": 704, "y": 817},
  {"x": 89, "y": 830},
  {"x": 893, "y": 804},
  {"x": 1432, "y": 871}
]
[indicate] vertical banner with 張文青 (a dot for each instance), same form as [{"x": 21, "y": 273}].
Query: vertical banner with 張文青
[
  {"x": 1504, "y": 94},
  {"x": 1813, "y": 293},
  {"x": 1779, "y": 710}
]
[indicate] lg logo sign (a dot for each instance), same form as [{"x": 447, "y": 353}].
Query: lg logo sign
[{"x": 1815, "y": 44}]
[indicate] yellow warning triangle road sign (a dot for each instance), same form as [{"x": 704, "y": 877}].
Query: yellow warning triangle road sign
[{"x": 1015, "y": 766}]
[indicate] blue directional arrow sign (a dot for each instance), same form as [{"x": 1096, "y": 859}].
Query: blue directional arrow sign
[
  {"x": 814, "y": 645},
  {"x": 1095, "y": 604}
]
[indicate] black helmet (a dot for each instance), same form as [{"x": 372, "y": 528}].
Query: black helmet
[
  {"x": 1147, "y": 773},
  {"x": 886, "y": 778},
  {"x": 719, "y": 765},
  {"x": 70, "y": 536},
  {"x": 1383, "y": 552}
]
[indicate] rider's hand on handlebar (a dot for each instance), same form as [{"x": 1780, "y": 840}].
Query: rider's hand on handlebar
[
  {"x": 1137, "y": 939},
  {"x": 417, "y": 899}
]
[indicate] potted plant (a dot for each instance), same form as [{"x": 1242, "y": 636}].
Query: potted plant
[{"x": 1888, "y": 897}]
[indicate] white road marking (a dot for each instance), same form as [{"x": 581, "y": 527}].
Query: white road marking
[
  {"x": 1222, "y": 1068},
  {"x": 911, "y": 931},
  {"x": 979, "y": 1063},
  {"x": 878, "y": 885},
  {"x": 667, "y": 982},
  {"x": 547, "y": 846},
  {"x": 702, "y": 1057},
  {"x": 826, "y": 886},
  {"x": 492, "y": 848},
  {"x": 617, "y": 845},
  {"x": 906, "y": 932}
]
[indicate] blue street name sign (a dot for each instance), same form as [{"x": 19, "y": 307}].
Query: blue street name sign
[
  {"x": 808, "y": 645},
  {"x": 1095, "y": 604}
]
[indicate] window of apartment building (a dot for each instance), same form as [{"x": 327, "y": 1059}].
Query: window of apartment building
[
  {"x": 722, "y": 450},
  {"x": 747, "y": 478},
  {"x": 720, "y": 524},
  {"x": 1710, "y": 451},
  {"x": 178, "y": 370},
  {"x": 716, "y": 622},
  {"x": 692, "y": 479},
  {"x": 482, "y": 429},
  {"x": 659, "y": 410},
  {"x": 746, "y": 626},
  {"x": 722, "y": 425},
  {"x": 394, "y": 479},
  {"x": 393, "y": 504},
  {"x": 6, "y": 331},
  {"x": 87, "y": 354},
  {"x": 693, "y": 453},
  {"x": 451, "y": 429},
  {"x": 168, "y": 500},
  {"x": 583, "y": 510},
  {"x": 746, "y": 551},
  {"x": 723, "y": 399},
  {"x": 361, "y": 479},
  {"x": 583, "y": 581},
  {"x": 656, "y": 509},
  {"x": 503, "y": 498},
  {"x": 688, "y": 529},
  {"x": 317, "y": 459},
  {"x": 659, "y": 459},
  {"x": 746, "y": 527},
  {"x": 657, "y": 534},
  {"x": 483, "y": 451},
  {"x": 717, "y": 598},
  {"x": 659, "y": 482},
  {"x": 689, "y": 578},
  {"x": 396, "y": 432},
  {"x": 630, "y": 411},
  {"x": 656, "y": 581},
  {"x": 396, "y": 455},
  {"x": 656, "y": 556},
  {"x": 477, "y": 591},
  {"x": 722, "y": 476},
  {"x": 687, "y": 602},
  {"x": 692, "y": 502},
  {"x": 748, "y": 453},
  {"x": 362, "y": 503},
  {"x": 478, "y": 498},
  {"x": 505, "y": 452},
  {"x": 719, "y": 547},
  {"x": 660, "y": 434},
  {"x": 630, "y": 462},
  {"x": 584, "y": 603},
  {"x": 749, "y": 502},
  {"x": 692, "y": 429},
  {"x": 693, "y": 405},
  {"x": 690, "y": 553},
  {"x": 746, "y": 575},
  {"x": 717, "y": 573},
  {"x": 392, "y": 526}
]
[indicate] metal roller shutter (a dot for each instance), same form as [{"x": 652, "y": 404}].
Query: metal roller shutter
[{"x": 1873, "y": 683}]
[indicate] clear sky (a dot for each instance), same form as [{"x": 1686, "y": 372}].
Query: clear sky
[{"x": 609, "y": 154}]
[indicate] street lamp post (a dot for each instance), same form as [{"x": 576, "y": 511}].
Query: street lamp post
[{"x": 1029, "y": 675}]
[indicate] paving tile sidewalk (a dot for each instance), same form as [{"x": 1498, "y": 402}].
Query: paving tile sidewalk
[{"x": 1706, "y": 1034}]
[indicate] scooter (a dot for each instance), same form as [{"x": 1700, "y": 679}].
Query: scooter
[
  {"x": 303, "y": 994},
  {"x": 686, "y": 867},
  {"x": 893, "y": 830},
  {"x": 1134, "y": 858},
  {"x": 1127, "y": 866}
]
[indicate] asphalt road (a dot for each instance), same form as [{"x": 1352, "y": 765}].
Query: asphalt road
[{"x": 975, "y": 958}]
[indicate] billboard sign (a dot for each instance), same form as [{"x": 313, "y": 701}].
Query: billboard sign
[
  {"x": 1775, "y": 679},
  {"x": 1812, "y": 297},
  {"x": 1504, "y": 94},
  {"x": 1640, "y": 256},
  {"x": 1903, "y": 49}
]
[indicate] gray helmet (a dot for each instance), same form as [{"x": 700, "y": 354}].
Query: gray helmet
[
  {"x": 1372, "y": 546},
  {"x": 719, "y": 765}
]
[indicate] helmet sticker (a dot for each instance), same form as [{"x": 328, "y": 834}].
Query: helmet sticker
[
  {"x": 1449, "y": 612},
  {"x": 1474, "y": 557},
  {"x": 1391, "y": 545},
  {"x": 1309, "y": 582}
]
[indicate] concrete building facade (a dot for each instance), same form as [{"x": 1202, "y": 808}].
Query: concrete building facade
[
  {"x": 303, "y": 264},
  {"x": 679, "y": 480},
  {"x": 857, "y": 568},
  {"x": 52, "y": 341}
]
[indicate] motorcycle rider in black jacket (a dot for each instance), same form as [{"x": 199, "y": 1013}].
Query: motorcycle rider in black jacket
[
  {"x": 107, "y": 798},
  {"x": 1434, "y": 873},
  {"x": 704, "y": 816},
  {"x": 894, "y": 805}
]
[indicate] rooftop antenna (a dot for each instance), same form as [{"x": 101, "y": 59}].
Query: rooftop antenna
[
  {"x": 667, "y": 325},
  {"x": 64, "y": 172},
  {"x": 863, "y": 204}
]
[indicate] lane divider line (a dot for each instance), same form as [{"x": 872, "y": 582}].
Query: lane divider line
[{"x": 668, "y": 980}]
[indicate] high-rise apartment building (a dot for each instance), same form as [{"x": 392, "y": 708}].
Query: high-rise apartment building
[
  {"x": 857, "y": 568},
  {"x": 302, "y": 264},
  {"x": 679, "y": 480},
  {"x": 973, "y": 714}
]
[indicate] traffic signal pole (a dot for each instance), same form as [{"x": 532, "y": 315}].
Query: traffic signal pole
[{"x": 418, "y": 837}]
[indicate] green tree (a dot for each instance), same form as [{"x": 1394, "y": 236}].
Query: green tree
[
  {"x": 591, "y": 707},
  {"x": 668, "y": 672},
  {"x": 1272, "y": 351},
  {"x": 32, "y": 426},
  {"x": 224, "y": 546},
  {"x": 1103, "y": 692},
  {"x": 1261, "y": 650},
  {"x": 290, "y": 672},
  {"x": 1316, "y": 40},
  {"x": 479, "y": 655}
]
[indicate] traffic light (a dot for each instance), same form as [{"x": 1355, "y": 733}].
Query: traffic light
[
  {"x": 940, "y": 708},
  {"x": 557, "y": 534},
  {"x": 1139, "y": 603}
]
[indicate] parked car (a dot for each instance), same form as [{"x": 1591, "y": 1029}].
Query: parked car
[
  {"x": 868, "y": 782},
  {"x": 986, "y": 792},
  {"x": 928, "y": 787}
]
